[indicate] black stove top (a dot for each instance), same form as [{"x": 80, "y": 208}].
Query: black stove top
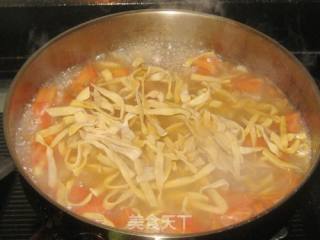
[{"x": 27, "y": 24}]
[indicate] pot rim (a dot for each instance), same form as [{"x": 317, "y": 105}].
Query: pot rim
[{"x": 78, "y": 27}]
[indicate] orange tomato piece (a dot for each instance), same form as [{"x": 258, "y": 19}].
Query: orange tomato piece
[
  {"x": 44, "y": 98},
  {"x": 87, "y": 75},
  {"x": 120, "y": 217},
  {"x": 95, "y": 205},
  {"x": 247, "y": 84},
  {"x": 293, "y": 121},
  {"x": 78, "y": 193},
  {"x": 206, "y": 66},
  {"x": 192, "y": 225},
  {"x": 259, "y": 143},
  {"x": 49, "y": 139},
  {"x": 38, "y": 153},
  {"x": 45, "y": 120}
]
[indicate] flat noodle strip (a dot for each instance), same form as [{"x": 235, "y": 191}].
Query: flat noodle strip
[
  {"x": 110, "y": 204},
  {"x": 121, "y": 166},
  {"x": 119, "y": 146},
  {"x": 272, "y": 147},
  {"x": 54, "y": 129},
  {"x": 124, "y": 169},
  {"x": 278, "y": 162},
  {"x": 183, "y": 181},
  {"x": 52, "y": 168},
  {"x": 221, "y": 205},
  {"x": 205, "y": 207},
  {"x": 159, "y": 167},
  {"x": 97, "y": 191},
  {"x": 201, "y": 99},
  {"x": 106, "y": 161},
  {"x": 117, "y": 99},
  {"x": 84, "y": 94},
  {"x": 59, "y": 137},
  {"x": 167, "y": 111},
  {"x": 149, "y": 194},
  {"x": 62, "y": 111},
  {"x": 145, "y": 185},
  {"x": 283, "y": 132},
  {"x": 217, "y": 184},
  {"x": 183, "y": 158}
]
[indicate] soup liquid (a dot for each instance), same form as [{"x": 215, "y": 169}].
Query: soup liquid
[{"x": 181, "y": 148}]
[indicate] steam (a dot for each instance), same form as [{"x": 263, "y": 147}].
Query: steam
[
  {"x": 207, "y": 6},
  {"x": 36, "y": 39}
]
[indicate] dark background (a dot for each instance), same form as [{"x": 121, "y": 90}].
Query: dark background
[{"x": 26, "y": 25}]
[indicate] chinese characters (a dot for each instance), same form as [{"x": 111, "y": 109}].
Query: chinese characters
[{"x": 155, "y": 224}]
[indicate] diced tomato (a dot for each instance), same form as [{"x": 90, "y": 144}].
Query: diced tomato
[
  {"x": 44, "y": 98},
  {"x": 78, "y": 193},
  {"x": 38, "y": 153},
  {"x": 49, "y": 139},
  {"x": 45, "y": 120},
  {"x": 120, "y": 217},
  {"x": 260, "y": 142},
  {"x": 206, "y": 66},
  {"x": 193, "y": 225},
  {"x": 293, "y": 121},
  {"x": 39, "y": 107},
  {"x": 120, "y": 72},
  {"x": 87, "y": 75},
  {"x": 46, "y": 94},
  {"x": 247, "y": 84},
  {"x": 95, "y": 205}
]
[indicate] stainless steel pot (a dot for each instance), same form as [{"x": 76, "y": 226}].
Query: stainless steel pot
[{"x": 231, "y": 39}]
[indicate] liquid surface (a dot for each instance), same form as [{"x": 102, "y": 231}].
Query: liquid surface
[{"x": 195, "y": 146}]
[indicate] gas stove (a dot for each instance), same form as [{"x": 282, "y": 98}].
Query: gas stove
[{"x": 27, "y": 24}]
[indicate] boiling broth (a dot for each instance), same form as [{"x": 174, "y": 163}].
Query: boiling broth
[{"x": 151, "y": 148}]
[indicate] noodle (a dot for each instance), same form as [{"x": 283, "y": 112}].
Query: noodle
[{"x": 129, "y": 139}]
